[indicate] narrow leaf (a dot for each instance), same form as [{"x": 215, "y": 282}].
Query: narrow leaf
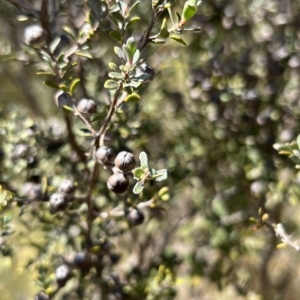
[
  {"x": 177, "y": 39},
  {"x": 136, "y": 57},
  {"x": 51, "y": 84},
  {"x": 132, "y": 98},
  {"x": 115, "y": 75},
  {"x": 134, "y": 6},
  {"x": 116, "y": 35},
  {"x": 110, "y": 84},
  {"x": 84, "y": 54},
  {"x": 132, "y": 22},
  {"x": 113, "y": 66},
  {"x": 74, "y": 85}
]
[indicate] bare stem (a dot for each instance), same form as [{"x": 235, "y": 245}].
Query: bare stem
[
  {"x": 90, "y": 204},
  {"x": 146, "y": 35},
  {"x": 113, "y": 108},
  {"x": 280, "y": 232}
]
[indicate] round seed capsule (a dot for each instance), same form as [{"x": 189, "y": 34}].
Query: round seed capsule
[
  {"x": 125, "y": 161},
  {"x": 118, "y": 183}
]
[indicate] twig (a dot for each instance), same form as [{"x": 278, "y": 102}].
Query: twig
[
  {"x": 145, "y": 37},
  {"x": 113, "y": 108},
  {"x": 90, "y": 204},
  {"x": 286, "y": 239},
  {"x": 20, "y": 4},
  {"x": 72, "y": 140}
]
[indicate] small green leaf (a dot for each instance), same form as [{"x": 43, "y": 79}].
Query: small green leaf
[
  {"x": 84, "y": 132},
  {"x": 47, "y": 73},
  {"x": 120, "y": 53},
  {"x": 158, "y": 41},
  {"x": 138, "y": 188},
  {"x": 127, "y": 53},
  {"x": 193, "y": 29},
  {"x": 137, "y": 173},
  {"x": 131, "y": 44},
  {"x": 110, "y": 84},
  {"x": 51, "y": 84},
  {"x": 115, "y": 75},
  {"x": 143, "y": 158},
  {"x": 54, "y": 44},
  {"x": 113, "y": 66},
  {"x": 116, "y": 35},
  {"x": 136, "y": 57},
  {"x": 74, "y": 85},
  {"x": 298, "y": 141},
  {"x": 132, "y": 98},
  {"x": 70, "y": 32},
  {"x": 132, "y": 22},
  {"x": 163, "y": 174},
  {"x": 134, "y": 6},
  {"x": 177, "y": 39},
  {"x": 84, "y": 54}
]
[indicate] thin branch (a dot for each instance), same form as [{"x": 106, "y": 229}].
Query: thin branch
[
  {"x": 286, "y": 239},
  {"x": 72, "y": 140},
  {"x": 145, "y": 37},
  {"x": 90, "y": 204},
  {"x": 113, "y": 108},
  {"x": 23, "y": 6}
]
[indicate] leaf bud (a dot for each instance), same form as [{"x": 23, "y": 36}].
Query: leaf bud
[
  {"x": 104, "y": 155},
  {"x": 35, "y": 36},
  {"x": 118, "y": 183},
  {"x": 125, "y": 161}
]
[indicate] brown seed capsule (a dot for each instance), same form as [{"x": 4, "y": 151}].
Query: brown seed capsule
[
  {"x": 58, "y": 202},
  {"x": 125, "y": 161},
  {"x": 118, "y": 183},
  {"x": 67, "y": 187},
  {"x": 87, "y": 107},
  {"x": 134, "y": 216},
  {"x": 104, "y": 155},
  {"x": 62, "y": 99},
  {"x": 35, "y": 36},
  {"x": 62, "y": 275}
]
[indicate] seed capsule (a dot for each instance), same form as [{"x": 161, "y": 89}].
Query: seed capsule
[
  {"x": 134, "y": 216},
  {"x": 118, "y": 183},
  {"x": 35, "y": 36},
  {"x": 125, "y": 161},
  {"x": 58, "y": 202},
  {"x": 87, "y": 107},
  {"x": 104, "y": 155}
]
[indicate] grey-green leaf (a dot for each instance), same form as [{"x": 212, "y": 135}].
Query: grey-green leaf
[
  {"x": 138, "y": 188},
  {"x": 143, "y": 158},
  {"x": 110, "y": 84},
  {"x": 137, "y": 173},
  {"x": 163, "y": 175}
]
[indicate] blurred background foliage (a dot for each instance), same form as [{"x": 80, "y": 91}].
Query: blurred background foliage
[{"x": 211, "y": 115}]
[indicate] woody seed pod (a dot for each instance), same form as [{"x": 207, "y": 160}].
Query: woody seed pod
[
  {"x": 58, "y": 202},
  {"x": 67, "y": 187},
  {"x": 125, "y": 161},
  {"x": 35, "y": 36},
  {"x": 87, "y": 107},
  {"x": 134, "y": 216},
  {"x": 104, "y": 155},
  {"x": 118, "y": 183}
]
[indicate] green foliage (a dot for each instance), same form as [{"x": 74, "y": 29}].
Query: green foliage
[{"x": 211, "y": 113}]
